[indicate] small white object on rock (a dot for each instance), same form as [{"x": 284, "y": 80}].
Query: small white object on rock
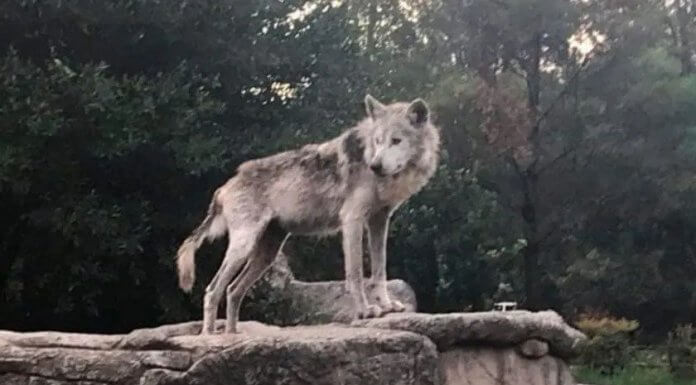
[{"x": 505, "y": 306}]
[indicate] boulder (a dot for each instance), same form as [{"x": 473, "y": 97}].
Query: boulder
[
  {"x": 488, "y": 348},
  {"x": 260, "y": 354},
  {"x": 500, "y": 366},
  {"x": 533, "y": 348},
  {"x": 298, "y": 302},
  {"x": 494, "y": 348},
  {"x": 329, "y": 301},
  {"x": 490, "y": 328},
  {"x": 511, "y": 348}
]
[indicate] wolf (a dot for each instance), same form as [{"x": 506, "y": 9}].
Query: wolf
[{"x": 351, "y": 184}]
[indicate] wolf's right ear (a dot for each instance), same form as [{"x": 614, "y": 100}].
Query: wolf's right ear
[
  {"x": 418, "y": 112},
  {"x": 373, "y": 106}
]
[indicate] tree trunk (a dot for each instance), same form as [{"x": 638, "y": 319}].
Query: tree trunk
[
  {"x": 371, "y": 22},
  {"x": 687, "y": 66},
  {"x": 530, "y": 253},
  {"x": 532, "y": 276},
  {"x": 534, "y": 77},
  {"x": 532, "y": 273}
]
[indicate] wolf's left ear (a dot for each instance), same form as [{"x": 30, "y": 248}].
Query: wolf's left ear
[
  {"x": 373, "y": 106},
  {"x": 418, "y": 112}
]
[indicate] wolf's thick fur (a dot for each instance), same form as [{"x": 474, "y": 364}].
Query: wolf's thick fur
[{"x": 348, "y": 184}]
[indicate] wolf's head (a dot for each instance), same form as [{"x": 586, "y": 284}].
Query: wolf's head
[{"x": 396, "y": 134}]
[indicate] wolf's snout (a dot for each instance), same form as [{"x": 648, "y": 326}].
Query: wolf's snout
[{"x": 377, "y": 169}]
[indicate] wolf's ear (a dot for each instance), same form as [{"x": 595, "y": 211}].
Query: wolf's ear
[
  {"x": 373, "y": 106},
  {"x": 418, "y": 112}
]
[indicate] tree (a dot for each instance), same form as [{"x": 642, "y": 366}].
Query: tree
[
  {"x": 69, "y": 242},
  {"x": 566, "y": 179},
  {"x": 520, "y": 52}
]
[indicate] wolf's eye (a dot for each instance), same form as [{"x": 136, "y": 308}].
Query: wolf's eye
[{"x": 396, "y": 141}]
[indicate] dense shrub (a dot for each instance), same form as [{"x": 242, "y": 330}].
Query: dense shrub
[
  {"x": 94, "y": 168},
  {"x": 681, "y": 351},
  {"x": 609, "y": 344}
]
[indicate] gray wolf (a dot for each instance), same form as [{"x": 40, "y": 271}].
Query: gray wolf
[{"x": 350, "y": 184}]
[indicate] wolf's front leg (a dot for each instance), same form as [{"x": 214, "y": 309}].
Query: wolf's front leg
[
  {"x": 352, "y": 252},
  {"x": 378, "y": 227}
]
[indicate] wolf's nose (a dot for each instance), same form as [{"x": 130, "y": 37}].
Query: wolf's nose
[{"x": 377, "y": 168}]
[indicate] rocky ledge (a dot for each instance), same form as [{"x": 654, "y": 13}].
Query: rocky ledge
[{"x": 465, "y": 348}]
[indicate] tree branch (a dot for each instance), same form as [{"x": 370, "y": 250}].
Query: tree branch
[
  {"x": 565, "y": 89},
  {"x": 559, "y": 157}
]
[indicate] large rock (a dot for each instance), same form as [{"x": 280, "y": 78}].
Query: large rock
[
  {"x": 513, "y": 348},
  {"x": 489, "y": 366},
  {"x": 491, "y": 328},
  {"x": 312, "y": 303},
  {"x": 171, "y": 355},
  {"x": 494, "y": 348},
  {"x": 329, "y": 301}
]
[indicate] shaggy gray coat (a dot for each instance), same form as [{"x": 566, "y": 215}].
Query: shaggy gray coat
[{"x": 350, "y": 184}]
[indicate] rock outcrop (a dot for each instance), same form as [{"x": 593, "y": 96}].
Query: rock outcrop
[
  {"x": 491, "y": 348},
  {"x": 260, "y": 354},
  {"x": 489, "y": 328},
  {"x": 508, "y": 348},
  {"x": 494, "y": 348},
  {"x": 313, "y": 303}
]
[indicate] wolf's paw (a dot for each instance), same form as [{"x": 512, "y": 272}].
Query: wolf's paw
[
  {"x": 392, "y": 306},
  {"x": 397, "y": 306},
  {"x": 369, "y": 311}
]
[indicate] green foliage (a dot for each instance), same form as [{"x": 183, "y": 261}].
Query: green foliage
[
  {"x": 594, "y": 326},
  {"x": 681, "y": 351},
  {"x": 562, "y": 185},
  {"x": 74, "y": 145},
  {"x": 606, "y": 353},
  {"x": 629, "y": 376},
  {"x": 608, "y": 347},
  {"x": 447, "y": 229}
]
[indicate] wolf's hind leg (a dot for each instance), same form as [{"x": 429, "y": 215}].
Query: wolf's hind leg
[
  {"x": 263, "y": 256},
  {"x": 378, "y": 227},
  {"x": 242, "y": 241}
]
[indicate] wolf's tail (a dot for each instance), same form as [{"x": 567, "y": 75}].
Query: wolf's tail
[{"x": 212, "y": 227}]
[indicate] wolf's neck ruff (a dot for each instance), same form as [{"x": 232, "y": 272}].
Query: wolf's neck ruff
[{"x": 349, "y": 183}]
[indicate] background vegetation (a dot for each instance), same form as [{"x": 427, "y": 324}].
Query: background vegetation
[{"x": 567, "y": 182}]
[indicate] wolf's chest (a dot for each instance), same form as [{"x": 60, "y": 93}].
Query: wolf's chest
[{"x": 399, "y": 189}]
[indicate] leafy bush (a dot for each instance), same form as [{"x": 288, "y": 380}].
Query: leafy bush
[
  {"x": 94, "y": 169},
  {"x": 594, "y": 325},
  {"x": 608, "y": 347},
  {"x": 629, "y": 376},
  {"x": 681, "y": 351},
  {"x": 443, "y": 239}
]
